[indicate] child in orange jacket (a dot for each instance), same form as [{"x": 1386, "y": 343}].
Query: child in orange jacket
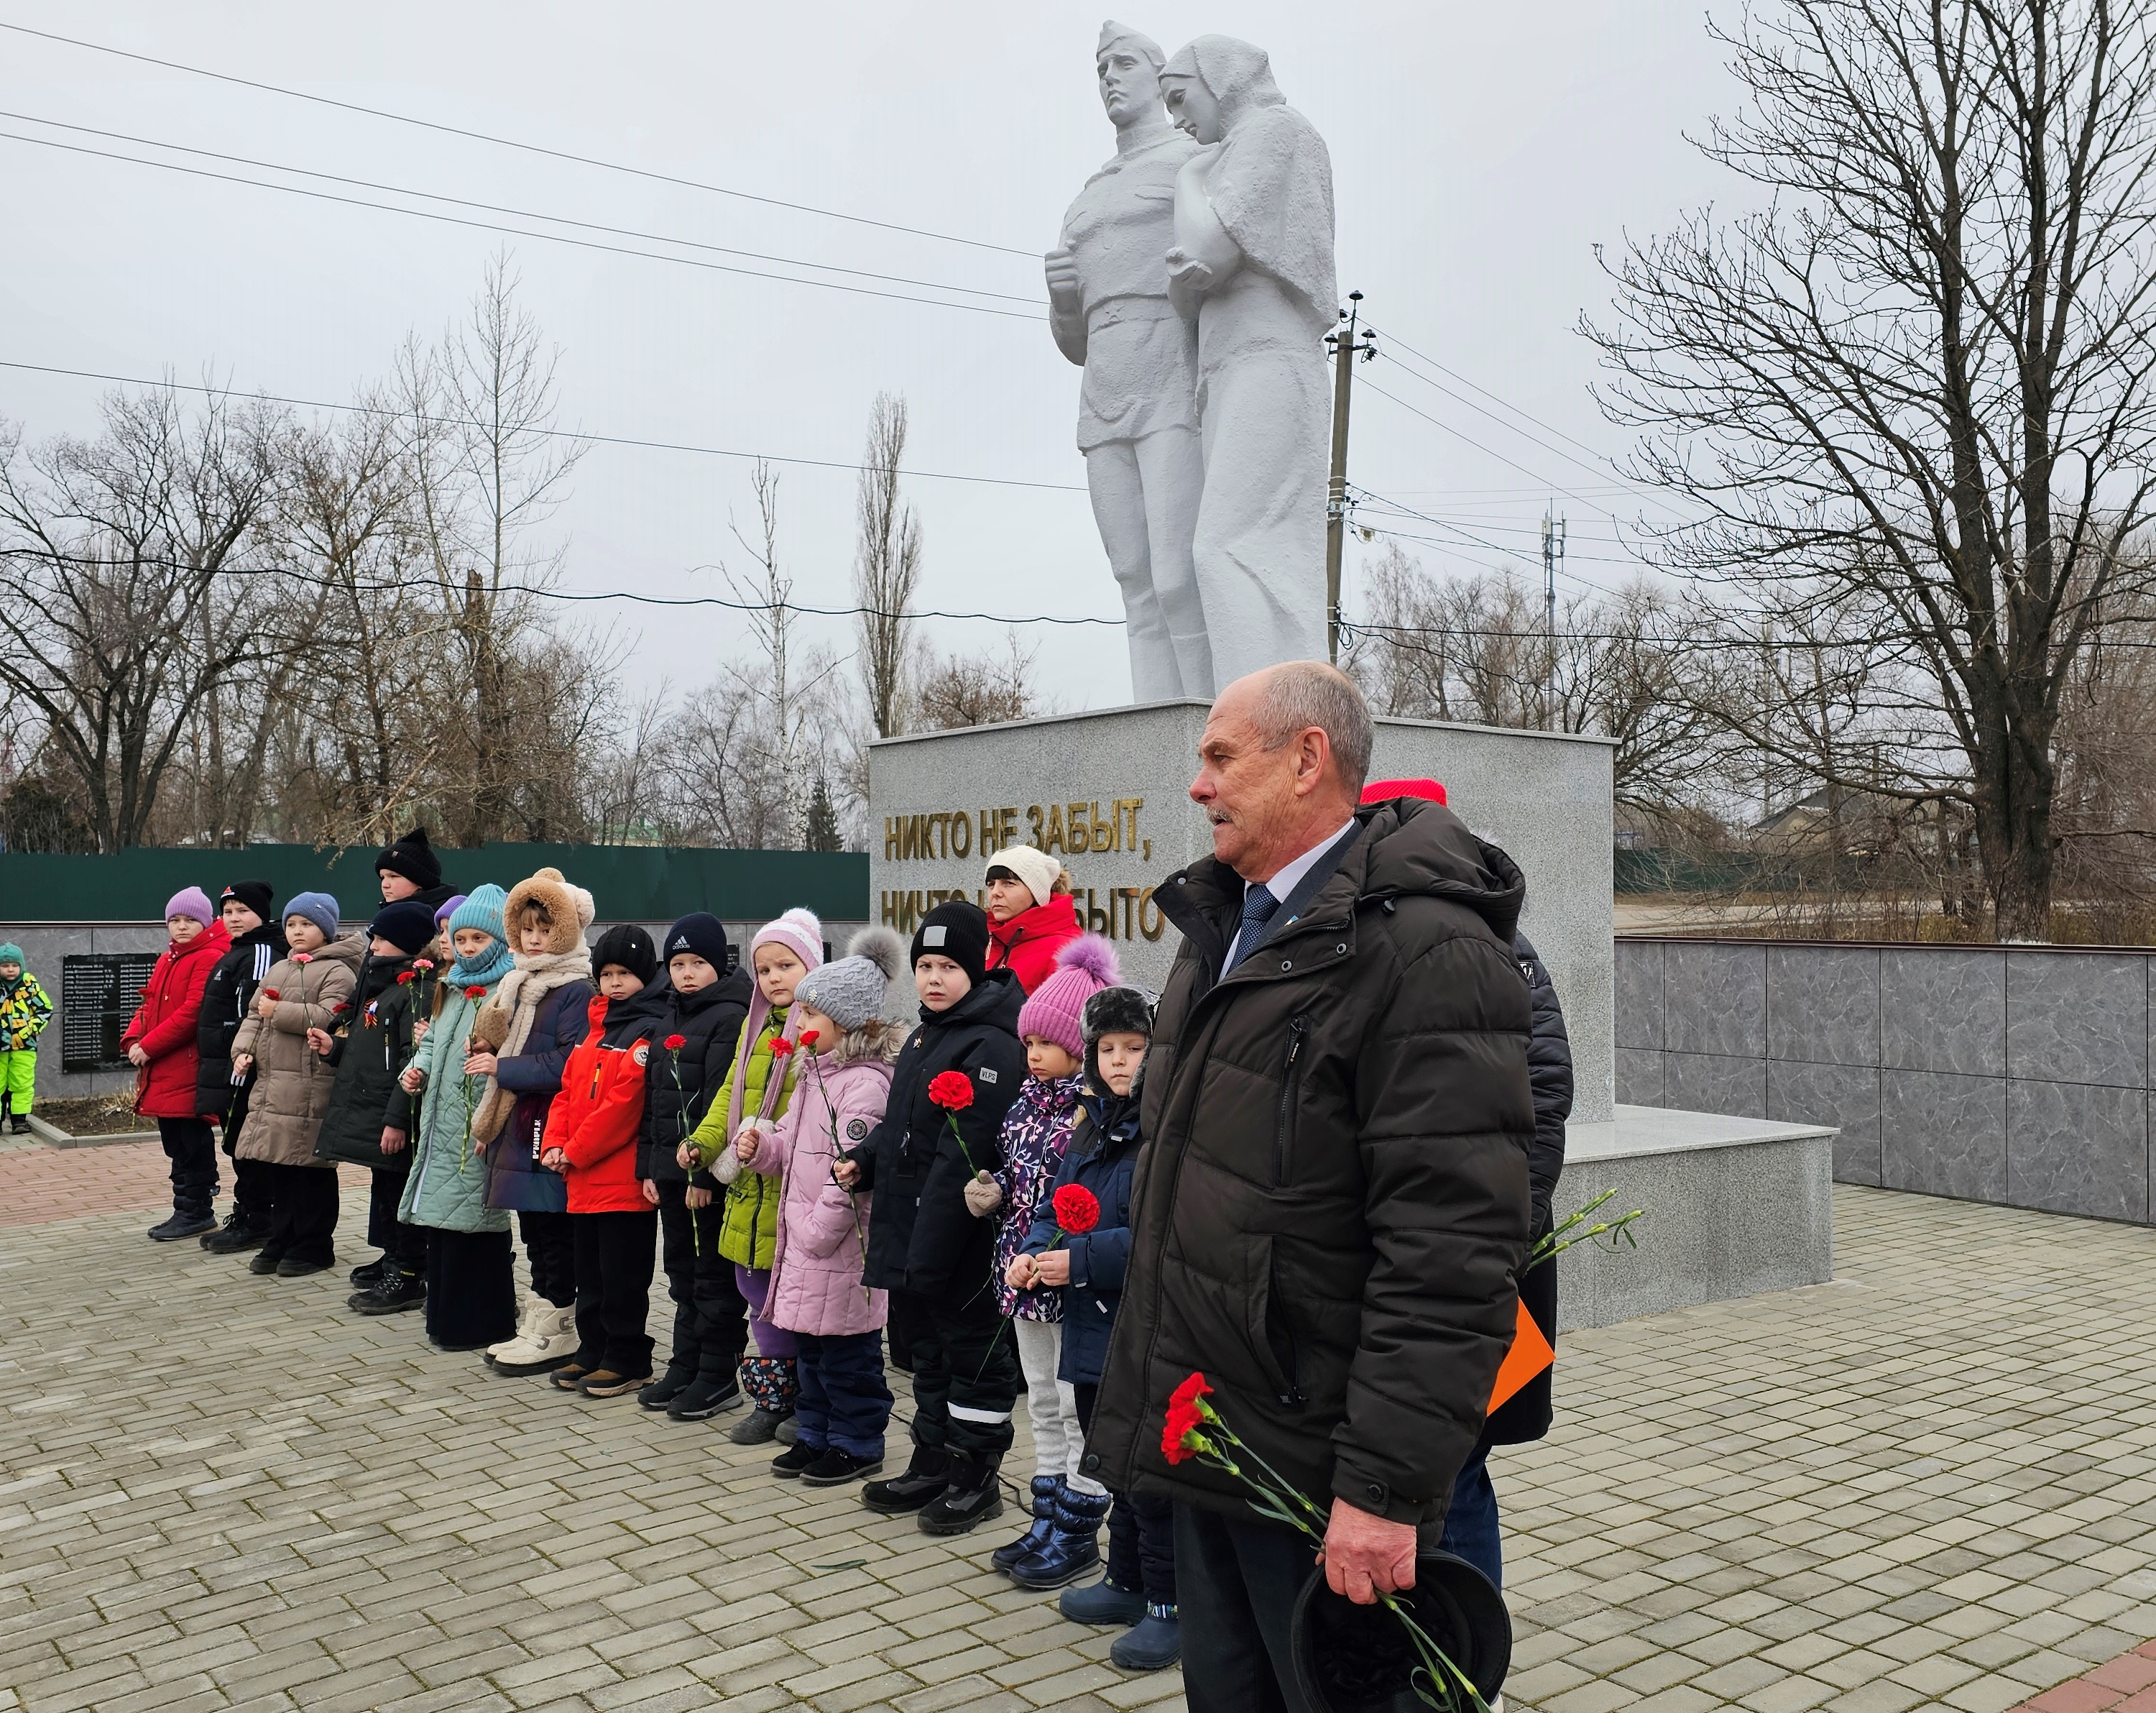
[{"x": 592, "y": 1129}]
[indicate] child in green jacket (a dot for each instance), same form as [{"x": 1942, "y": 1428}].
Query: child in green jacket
[
  {"x": 24, "y": 1011},
  {"x": 757, "y": 1086}
]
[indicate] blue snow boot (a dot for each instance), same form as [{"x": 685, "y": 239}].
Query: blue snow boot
[
  {"x": 1102, "y": 1602},
  {"x": 1073, "y": 1546},
  {"x": 1154, "y": 1645},
  {"x": 1045, "y": 1490}
]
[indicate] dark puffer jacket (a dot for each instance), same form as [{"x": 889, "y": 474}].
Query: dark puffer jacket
[
  {"x": 1332, "y": 1203},
  {"x": 226, "y": 996},
  {"x": 710, "y": 1021},
  {"x": 1102, "y": 1154},
  {"x": 515, "y": 1178},
  {"x": 373, "y": 1046},
  {"x": 924, "y": 1238}
]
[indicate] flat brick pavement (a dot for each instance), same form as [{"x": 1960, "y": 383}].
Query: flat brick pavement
[
  {"x": 39, "y": 1184},
  {"x": 1932, "y": 1484}
]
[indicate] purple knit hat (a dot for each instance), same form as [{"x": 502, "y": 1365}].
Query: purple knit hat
[
  {"x": 450, "y": 909},
  {"x": 191, "y": 901},
  {"x": 1057, "y": 1008}
]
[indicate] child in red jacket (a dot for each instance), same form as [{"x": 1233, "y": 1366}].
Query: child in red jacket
[
  {"x": 592, "y": 1130},
  {"x": 160, "y": 1043}
]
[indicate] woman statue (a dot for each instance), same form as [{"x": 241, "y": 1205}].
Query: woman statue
[{"x": 1252, "y": 265}]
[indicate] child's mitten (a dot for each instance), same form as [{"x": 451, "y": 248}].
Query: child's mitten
[{"x": 984, "y": 1195}]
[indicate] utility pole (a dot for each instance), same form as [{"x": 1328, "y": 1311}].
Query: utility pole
[
  {"x": 1344, "y": 347},
  {"x": 1552, "y": 556}
]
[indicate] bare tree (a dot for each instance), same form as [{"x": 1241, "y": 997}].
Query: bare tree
[
  {"x": 977, "y": 690},
  {"x": 1911, "y": 397},
  {"x": 489, "y": 468},
  {"x": 886, "y": 567},
  {"x": 119, "y": 575}
]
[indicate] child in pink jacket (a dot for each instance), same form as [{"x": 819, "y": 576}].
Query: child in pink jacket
[{"x": 847, "y": 1044}]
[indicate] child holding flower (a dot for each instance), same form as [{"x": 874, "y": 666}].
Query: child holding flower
[
  {"x": 842, "y": 1081},
  {"x": 955, "y": 1079},
  {"x": 706, "y": 1002},
  {"x": 1036, "y": 1133},
  {"x": 304, "y": 994},
  {"x": 471, "y": 1282},
  {"x": 1081, "y": 1248},
  {"x": 592, "y": 1129},
  {"x": 758, "y": 1084}
]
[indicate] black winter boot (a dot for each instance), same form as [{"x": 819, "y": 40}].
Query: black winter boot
[
  {"x": 1072, "y": 1549},
  {"x": 972, "y": 1496},
  {"x": 1154, "y": 1645},
  {"x": 668, "y": 1386},
  {"x": 182, "y": 1224},
  {"x": 703, "y": 1398},
  {"x": 1045, "y": 1490},
  {"x": 923, "y": 1480},
  {"x": 396, "y": 1294},
  {"x": 235, "y": 1237}
]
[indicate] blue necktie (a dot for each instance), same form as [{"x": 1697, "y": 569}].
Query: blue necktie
[{"x": 1258, "y": 907}]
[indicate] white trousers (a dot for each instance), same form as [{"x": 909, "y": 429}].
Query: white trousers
[{"x": 1051, "y": 1404}]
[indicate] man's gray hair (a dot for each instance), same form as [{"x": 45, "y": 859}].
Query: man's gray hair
[{"x": 1305, "y": 693}]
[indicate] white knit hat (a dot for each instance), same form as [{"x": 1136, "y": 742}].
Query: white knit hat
[
  {"x": 1035, "y": 868},
  {"x": 799, "y": 931}
]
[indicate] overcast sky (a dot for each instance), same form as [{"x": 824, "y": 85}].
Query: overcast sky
[{"x": 1479, "y": 153}]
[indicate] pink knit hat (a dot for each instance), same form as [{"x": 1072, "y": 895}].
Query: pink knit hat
[
  {"x": 1057, "y": 1012},
  {"x": 191, "y": 901},
  {"x": 799, "y": 931}
]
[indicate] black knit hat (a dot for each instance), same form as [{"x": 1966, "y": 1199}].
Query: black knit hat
[
  {"x": 958, "y": 931},
  {"x": 1117, "y": 1010},
  {"x": 406, "y": 924},
  {"x": 412, "y": 857},
  {"x": 257, "y": 895},
  {"x": 702, "y": 934},
  {"x": 629, "y": 946}
]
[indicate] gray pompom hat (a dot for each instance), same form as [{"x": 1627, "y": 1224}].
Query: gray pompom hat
[{"x": 854, "y": 990}]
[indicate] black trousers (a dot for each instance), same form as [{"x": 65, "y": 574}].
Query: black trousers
[
  {"x": 192, "y": 1147},
  {"x": 404, "y": 1244},
  {"x": 965, "y": 1370},
  {"x": 1141, "y": 1529},
  {"x": 1239, "y": 1580},
  {"x": 551, "y": 1247},
  {"x": 613, "y": 1289},
  {"x": 303, "y": 1211},
  {"x": 471, "y": 1289},
  {"x": 844, "y": 1400},
  {"x": 250, "y": 1195},
  {"x": 711, "y": 1317}
]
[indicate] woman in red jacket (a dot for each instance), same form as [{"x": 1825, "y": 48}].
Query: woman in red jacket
[
  {"x": 1031, "y": 914},
  {"x": 160, "y": 1043}
]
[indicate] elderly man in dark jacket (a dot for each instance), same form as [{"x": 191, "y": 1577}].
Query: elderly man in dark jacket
[{"x": 1333, "y": 1203}]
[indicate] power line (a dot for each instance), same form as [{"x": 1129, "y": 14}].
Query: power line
[
  {"x": 1001, "y": 481},
  {"x": 507, "y": 142},
  {"x": 152, "y": 142},
  {"x": 679, "y": 261}
]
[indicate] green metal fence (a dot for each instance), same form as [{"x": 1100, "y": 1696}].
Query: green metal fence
[{"x": 631, "y": 883}]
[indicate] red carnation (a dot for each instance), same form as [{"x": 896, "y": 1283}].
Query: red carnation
[
  {"x": 405, "y": 977},
  {"x": 1077, "y": 1209},
  {"x": 475, "y": 991},
  {"x": 272, "y": 993},
  {"x": 951, "y": 1090},
  {"x": 675, "y": 1043},
  {"x": 1184, "y": 1423},
  {"x": 780, "y": 1048},
  {"x": 808, "y": 1036},
  {"x": 1190, "y": 1392}
]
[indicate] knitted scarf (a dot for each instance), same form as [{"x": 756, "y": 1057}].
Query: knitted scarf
[{"x": 505, "y": 1023}]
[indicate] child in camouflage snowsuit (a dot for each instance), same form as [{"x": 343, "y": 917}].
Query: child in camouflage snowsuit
[{"x": 24, "y": 1011}]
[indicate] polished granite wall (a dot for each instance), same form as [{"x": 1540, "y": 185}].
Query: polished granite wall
[{"x": 2016, "y": 1075}]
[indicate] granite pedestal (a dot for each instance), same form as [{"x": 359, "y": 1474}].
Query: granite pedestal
[{"x": 1734, "y": 1207}]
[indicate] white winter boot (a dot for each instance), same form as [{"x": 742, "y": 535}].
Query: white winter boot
[
  {"x": 549, "y": 1343},
  {"x": 532, "y": 1305}
]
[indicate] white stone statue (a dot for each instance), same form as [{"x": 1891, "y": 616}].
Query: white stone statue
[
  {"x": 1138, "y": 414},
  {"x": 1252, "y": 265}
]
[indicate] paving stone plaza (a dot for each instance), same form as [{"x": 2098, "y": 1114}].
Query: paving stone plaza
[{"x": 1932, "y": 1482}]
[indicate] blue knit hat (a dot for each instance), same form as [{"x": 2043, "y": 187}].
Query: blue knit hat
[
  {"x": 482, "y": 909},
  {"x": 318, "y": 907}
]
